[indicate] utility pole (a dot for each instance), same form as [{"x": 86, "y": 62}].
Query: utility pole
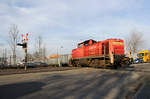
[
  {"x": 60, "y": 63},
  {"x": 59, "y": 57},
  {"x": 5, "y": 62},
  {"x": 10, "y": 60}
]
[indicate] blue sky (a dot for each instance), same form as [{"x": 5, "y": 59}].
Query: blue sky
[{"x": 68, "y": 22}]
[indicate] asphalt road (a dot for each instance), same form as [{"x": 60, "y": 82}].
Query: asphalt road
[
  {"x": 143, "y": 68},
  {"x": 86, "y": 83}
]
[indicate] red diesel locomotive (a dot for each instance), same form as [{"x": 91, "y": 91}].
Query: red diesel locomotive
[{"x": 101, "y": 53}]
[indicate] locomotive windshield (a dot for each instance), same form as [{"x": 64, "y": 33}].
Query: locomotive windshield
[
  {"x": 80, "y": 45},
  {"x": 86, "y": 43},
  {"x": 140, "y": 54}
]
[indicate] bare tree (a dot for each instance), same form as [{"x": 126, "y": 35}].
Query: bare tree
[
  {"x": 12, "y": 40},
  {"x": 38, "y": 54},
  {"x": 134, "y": 41},
  {"x": 40, "y": 46}
]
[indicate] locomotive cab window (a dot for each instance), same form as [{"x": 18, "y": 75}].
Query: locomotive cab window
[
  {"x": 89, "y": 42},
  {"x": 86, "y": 43},
  {"x": 140, "y": 54},
  {"x": 146, "y": 54},
  {"x": 80, "y": 45}
]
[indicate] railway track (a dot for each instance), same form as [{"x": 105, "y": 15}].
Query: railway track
[
  {"x": 34, "y": 70},
  {"x": 135, "y": 68},
  {"x": 9, "y": 71}
]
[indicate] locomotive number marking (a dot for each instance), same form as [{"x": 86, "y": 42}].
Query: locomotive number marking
[
  {"x": 117, "y": 43},
  {"x": 93, "y": 47}
]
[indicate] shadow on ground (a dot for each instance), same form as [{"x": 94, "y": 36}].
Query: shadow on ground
[
  {"x": 97, "y": 85},
  {"x": 13, "y": 91}
]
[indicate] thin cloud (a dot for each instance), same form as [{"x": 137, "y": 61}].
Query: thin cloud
[{"x": 71, "y": 21}]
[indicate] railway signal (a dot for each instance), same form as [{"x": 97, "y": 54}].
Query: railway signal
[{"x": 24, "y": 46}]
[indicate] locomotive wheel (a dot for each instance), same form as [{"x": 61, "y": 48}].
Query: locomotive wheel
[
  {"x": 89, "y": 62},
  {"x": 76, "y": 64},
  {"x": 115, "y": 66},
  {"x": 73, "y": 63},
  {"x": 105, "y": 67}
]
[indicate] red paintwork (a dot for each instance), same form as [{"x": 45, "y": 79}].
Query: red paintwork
[{"x": 93, "y": 48}]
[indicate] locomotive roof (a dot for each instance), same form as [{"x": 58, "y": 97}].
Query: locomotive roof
[
  {"x": 88, "y": 41},
  {"x": 98, "y": 41},
  {"x": 114, "y": 39}
]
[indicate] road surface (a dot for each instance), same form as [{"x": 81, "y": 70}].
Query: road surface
[{"x": 84, "y": 83}]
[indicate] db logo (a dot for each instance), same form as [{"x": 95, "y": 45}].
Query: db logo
[{"x": 93, "y": 47}]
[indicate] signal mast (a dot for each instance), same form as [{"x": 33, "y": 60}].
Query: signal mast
[{"x": 24, "y": 45}]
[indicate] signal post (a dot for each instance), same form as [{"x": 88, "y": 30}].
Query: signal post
[
  {"x": 24, "y": 45},
  {"x": 26, "y": 56}
]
